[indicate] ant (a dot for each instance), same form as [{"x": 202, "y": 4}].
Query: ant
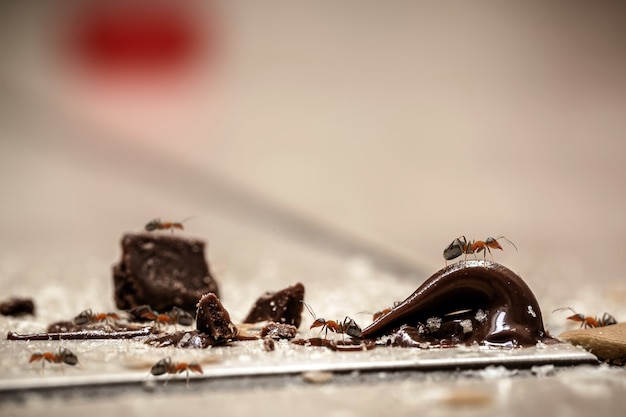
[
  {"x": 62, "y": 356},
  {"x": 176, "y": 316},
  {"x": 157, "y": 224},
  {"x": 347, "y": 326},
  {"x": 166, "y": 366},
  {"x": 88, "y": 316},
  {"x": 384, "y": 311},
  {"x": 461, "y": 245},
  {"x": 590, "y": 322}
]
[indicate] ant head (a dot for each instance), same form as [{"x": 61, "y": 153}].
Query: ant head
[
  {"x": 161, "y": 367},
  {"x": 576, "y": 317},
  {"x": 493, "y": 243},
  {"x": 152, "y": 225},
  {"x": 502, "y": 237},
  {"x": 194, "y": 366},
  {"x": 68, "y": 357},
  {"x": 150, "y": 315},
  {"x": 318, "y": 323}
]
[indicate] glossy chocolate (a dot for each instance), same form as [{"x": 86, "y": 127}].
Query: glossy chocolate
[{"x": 465, "y": 303}]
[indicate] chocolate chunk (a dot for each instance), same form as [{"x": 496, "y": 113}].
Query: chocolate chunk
[
  {"x": 213, "y": 319},
  {"x": 163, "y": 271},
  {"x": 279, "y": 331},
  {"x": 17, "y": 307},
  {"x": 468, "y": 302},
  {"x": 283, "y": 306}
]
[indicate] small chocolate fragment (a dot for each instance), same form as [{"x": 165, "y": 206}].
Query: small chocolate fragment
[
  {"x": 464, "y": 303},
  {"x": 163, "y": 271},
  {"x": 284, "y": 306},
  {"x": 17, "y": 307},
  {"x": 65, "y": 327},
  {"x": 279, "y": 331},
  {"x": 186, "y": 339},
  {"x": 213, "y": 319}
]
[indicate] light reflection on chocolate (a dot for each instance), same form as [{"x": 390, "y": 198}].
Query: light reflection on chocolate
[{"x": 465, "y": 303}]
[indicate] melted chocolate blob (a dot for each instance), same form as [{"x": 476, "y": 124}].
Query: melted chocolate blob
[{"x": 465, "y": 303}]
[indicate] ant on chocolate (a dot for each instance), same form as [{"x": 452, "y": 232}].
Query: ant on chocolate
[
  {"x": 461, "y": 245},
  {"x": 175, "y": 316},
  {"x": 347, "y": 326},
  {"x": 62, "y": 356},
  {"x": 384, "y": 311},
  {"x": 88, "y": 316},
  {"x": 157, "y": 224},
  {"x": 586, "y": 321},
  {"x": 166, "y": 366}
]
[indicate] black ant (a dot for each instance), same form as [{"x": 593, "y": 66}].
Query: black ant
[
  {"x": 461, "y": 245},
  {"x": 586, "y": 321},
  {"x": 347, "y": 326},
  {"x": 157, "y": 224},
  {"x": 87, "y": 316},
  {"x": 62, "y": 356},
  {"x": 166, "y": 366}
]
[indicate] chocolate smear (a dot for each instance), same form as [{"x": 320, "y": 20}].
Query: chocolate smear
[
  {"x": 465, "y": 303},
  {"x": 80, "y": 335},
  {"x": 163, "y": 271},
  {"x": 284, "y": 306}
]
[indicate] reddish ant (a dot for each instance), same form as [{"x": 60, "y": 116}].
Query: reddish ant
[
  {"x": 384, "y": 311},
  {"x": 166, "y": 366},
  {"x": 175, "y": 316},
  {"x": 62, "y": 356},
  {"x": 87, "y": 316},
  {"x": 460, "y": 246},
  {"x": 157, "y": 224},
  {"x": 347, "y": 326},
  {"x": 591, "y": 322}
]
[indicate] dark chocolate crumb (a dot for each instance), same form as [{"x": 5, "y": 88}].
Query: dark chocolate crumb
[
  {"x": 64, "y": 327},
  {"x": 284, "y": 306},
  {"x": 186, "y": 339},
  {"x": 279, "y": 331},
  {"x": 17, "y": 307},
  {"x": 213, "y": 319}
]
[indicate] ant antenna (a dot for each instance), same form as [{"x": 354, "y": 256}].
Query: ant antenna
[
  {"x": 565, "y": 308},
  {"x": 308, "y": 307}
]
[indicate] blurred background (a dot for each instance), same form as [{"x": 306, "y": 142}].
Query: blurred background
[{"x": 397, "y": 126}]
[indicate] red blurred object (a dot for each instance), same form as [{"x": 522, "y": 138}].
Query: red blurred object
[{"x": 139, "y": 36}]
